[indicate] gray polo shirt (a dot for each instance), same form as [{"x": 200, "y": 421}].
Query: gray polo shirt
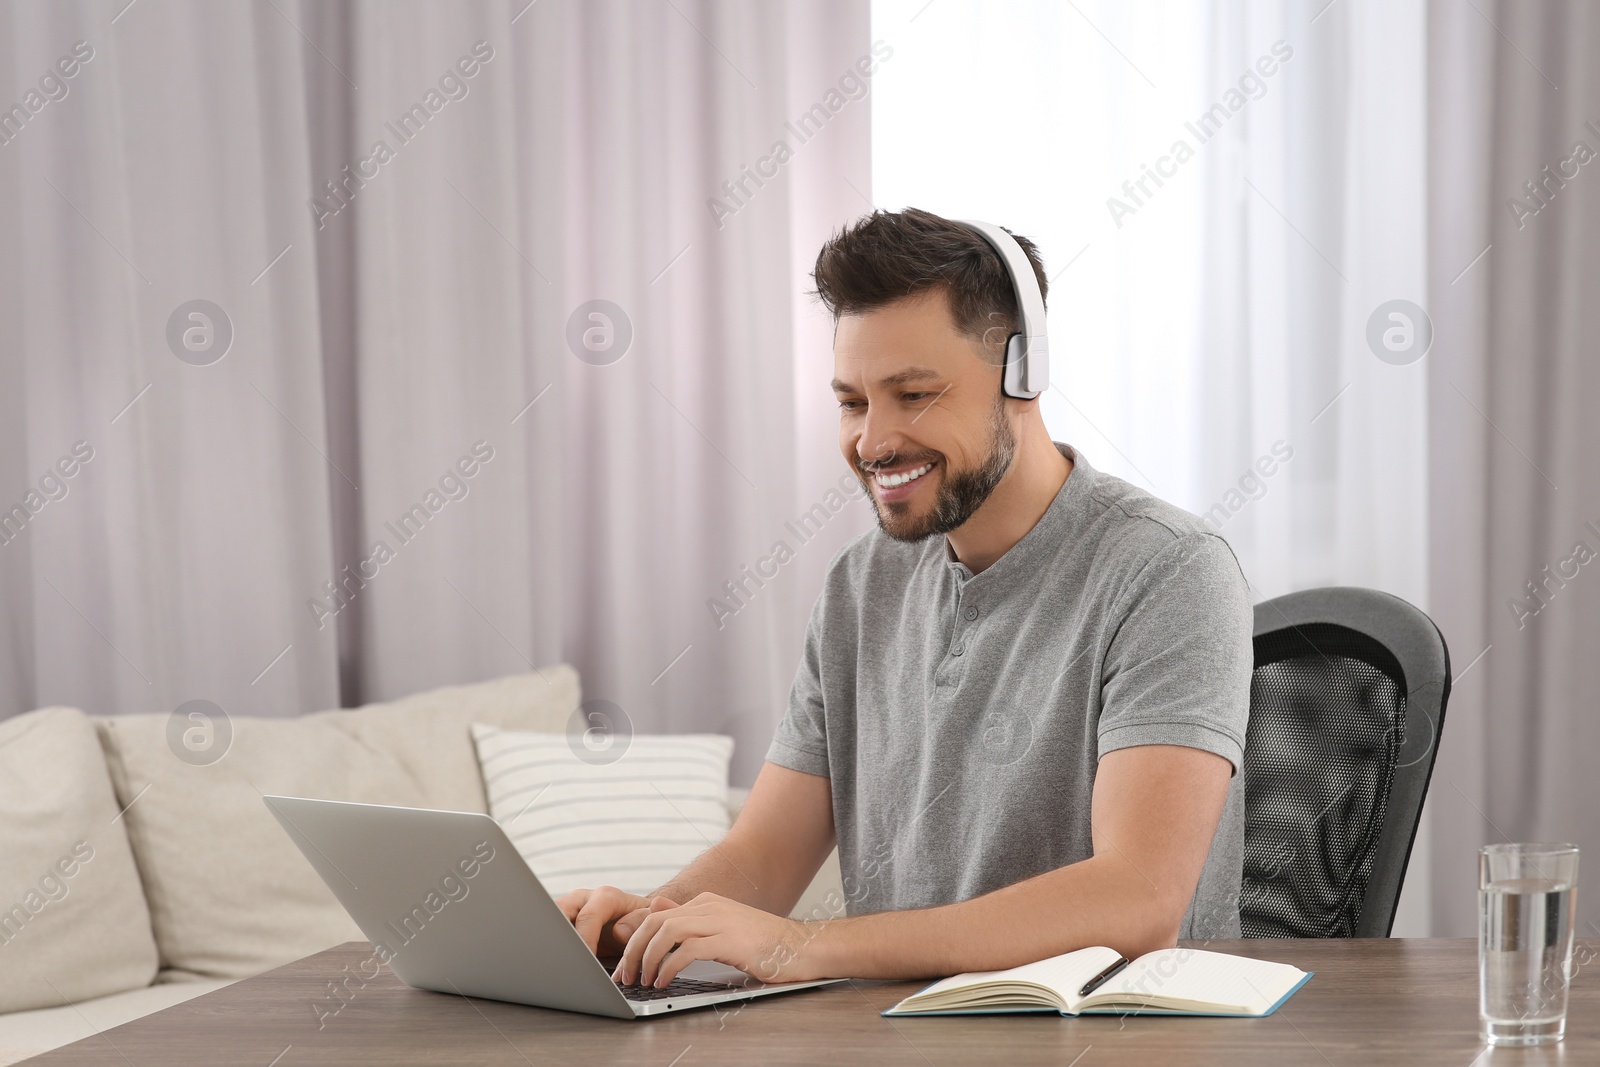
[{"x": 960, "y": 717}]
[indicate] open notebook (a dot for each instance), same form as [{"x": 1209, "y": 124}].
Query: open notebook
[{"x": 1172, "y": 981}]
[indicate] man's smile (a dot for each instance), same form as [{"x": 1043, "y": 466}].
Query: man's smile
[{"x": 899, "y": 483}]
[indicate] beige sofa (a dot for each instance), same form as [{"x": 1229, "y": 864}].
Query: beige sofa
[{"x": 139, "y": 870}]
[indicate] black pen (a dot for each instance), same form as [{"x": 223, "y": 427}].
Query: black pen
[{"x": 1104, "y": 976}]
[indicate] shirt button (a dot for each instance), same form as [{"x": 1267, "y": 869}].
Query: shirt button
[
  {"x": 957, "y": 650},
  {"x": 972, "y": 613}
]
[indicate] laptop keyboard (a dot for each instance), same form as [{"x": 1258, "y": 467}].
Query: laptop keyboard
[{"x": 678, "y": 987}]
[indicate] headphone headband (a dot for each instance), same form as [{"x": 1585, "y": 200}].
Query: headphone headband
[{"x": 1027, "y": 369}]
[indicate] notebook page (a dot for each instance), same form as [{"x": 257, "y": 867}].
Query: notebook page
[
  {"x": 1066, "y": 973},
  {"x": 1206, "y": 977}
]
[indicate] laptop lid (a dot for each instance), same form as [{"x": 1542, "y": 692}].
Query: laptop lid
[{"x": 403, "y": 874}]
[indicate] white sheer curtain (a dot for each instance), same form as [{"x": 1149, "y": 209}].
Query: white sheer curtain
[
  {"x": 1040, "y": 122},
  {"x": 1318, "y": 219},
  {"x": 432, "y": 297},
  {"x": 1209, "y": 326},
  {"x": 1203, "y": 317}
]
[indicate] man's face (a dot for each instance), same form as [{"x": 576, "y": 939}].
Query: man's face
[{"x": 920, "y": 408}]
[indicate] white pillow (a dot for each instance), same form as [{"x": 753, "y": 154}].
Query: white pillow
[{"x": 632, "y": 821}]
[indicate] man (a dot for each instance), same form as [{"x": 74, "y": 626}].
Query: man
[{"x": 1021, "y": 708}]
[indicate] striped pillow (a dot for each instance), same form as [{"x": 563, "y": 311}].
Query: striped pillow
[{"x": 634, "y": 821}]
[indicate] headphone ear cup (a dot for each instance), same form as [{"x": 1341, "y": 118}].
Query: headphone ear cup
[{"x": 1016, "y": 362}]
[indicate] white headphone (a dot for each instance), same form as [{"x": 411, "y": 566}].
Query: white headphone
[{"x": 1027, "y": 369}]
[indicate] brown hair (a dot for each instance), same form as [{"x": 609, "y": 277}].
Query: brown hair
[{"x": 887, "y": 256}]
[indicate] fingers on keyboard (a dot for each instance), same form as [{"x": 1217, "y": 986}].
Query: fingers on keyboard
[{"x": 678, "y": 987}]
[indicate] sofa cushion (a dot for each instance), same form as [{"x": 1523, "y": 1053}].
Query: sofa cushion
[
  {"x": 632, "y": 820},
  {"x": 73, "y": 921},
  {"x": 230, "y": 895}
]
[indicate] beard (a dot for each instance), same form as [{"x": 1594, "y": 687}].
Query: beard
[{"x": 961, "y": 493}]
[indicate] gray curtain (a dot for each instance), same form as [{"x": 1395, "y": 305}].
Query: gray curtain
[
  {"x": 420, "y": 408},
  {"x": 1514, "y": 384}
]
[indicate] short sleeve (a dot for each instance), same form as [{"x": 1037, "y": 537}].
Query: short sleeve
[
  {"x": 801, "y": 740},
  {"x": 1177, "y": 669}
]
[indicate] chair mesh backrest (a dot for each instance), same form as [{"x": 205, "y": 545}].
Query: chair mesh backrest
[{"x": 1327, "y": 720}]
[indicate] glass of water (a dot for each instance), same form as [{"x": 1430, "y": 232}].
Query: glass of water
[{"x": 1526, "y": 900}]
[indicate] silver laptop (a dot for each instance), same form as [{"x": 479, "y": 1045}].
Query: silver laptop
[{"x": 449, "y": 905}]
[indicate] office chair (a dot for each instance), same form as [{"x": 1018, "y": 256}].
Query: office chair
[{"x": 1346, "y": 705}]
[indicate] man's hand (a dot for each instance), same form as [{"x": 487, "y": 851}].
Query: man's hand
[
  {"x": 709, "y": 927},
  {"x": 606, "y": 917}
]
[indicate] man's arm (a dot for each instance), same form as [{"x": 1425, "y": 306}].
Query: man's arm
[
  {"x": 766, "y": 860},
  {"x": 1155, "y": 810},
  {"x": 774, "y": 849}
]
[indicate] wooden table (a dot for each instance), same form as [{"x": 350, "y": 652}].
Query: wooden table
[{"x": 1372, "y": 1002}]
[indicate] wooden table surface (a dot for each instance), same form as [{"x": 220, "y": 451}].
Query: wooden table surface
[{"x": 1372, "y": 1002}]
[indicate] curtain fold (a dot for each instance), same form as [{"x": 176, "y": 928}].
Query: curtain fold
[
  {"x": 1515, "y": 506},
  {"x": 505, "y": 385},
  {"x": 167, "y": 568}
]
